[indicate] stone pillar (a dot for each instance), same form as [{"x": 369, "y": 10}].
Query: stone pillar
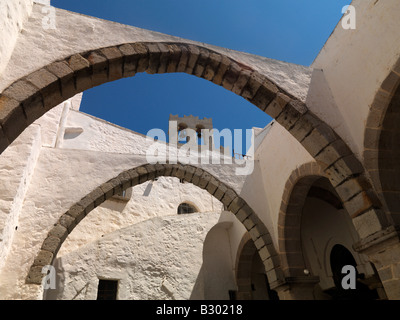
[
  {"x": 297, "y": 288},
  {"x": 383, "y": 250}
]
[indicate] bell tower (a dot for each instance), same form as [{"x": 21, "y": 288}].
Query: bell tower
[{"x": 196, "y": 124}]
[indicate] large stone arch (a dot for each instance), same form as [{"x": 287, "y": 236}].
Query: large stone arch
[
  {"x": 381, "y": 143},
  {"x": 28, "y": 98},
  {"x": 305, "y": 183},
  {"x": 130, "y": 178},
  {"x": 243, "y": 269},
  {"x": 289, "y": 238}
]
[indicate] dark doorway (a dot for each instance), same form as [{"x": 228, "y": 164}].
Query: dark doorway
[
  {"x": 107, "y": 290},
  {"x": 340, "y": 256}
]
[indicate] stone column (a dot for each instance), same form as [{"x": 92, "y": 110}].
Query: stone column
[
  {"x": 297, "y": 288},
  {"x": 383, "y": 250}
]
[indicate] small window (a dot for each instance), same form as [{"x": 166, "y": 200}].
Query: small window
[
  {"x": 107, "y": 290},
  {"x": 185, "y": 208}
]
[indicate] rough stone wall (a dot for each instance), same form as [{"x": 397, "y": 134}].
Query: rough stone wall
[
  {"x": 149, "y": 200},
  {"x": 12, "y": 17},
  {"x": 156, "y": 259}
]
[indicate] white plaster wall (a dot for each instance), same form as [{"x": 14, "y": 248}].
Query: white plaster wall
[
  {"x": 322, "y": 227},
  {"x": 355, "y": 63},
  {"x": 13, "y": 15},
  {"x": 278, "y": 155},
  {"x": 17, "y": 164},
  {"x": 216, "y": 276},
  {"x": 61, "y": 179},
  {"x": 149, "y": 200},
  {"x": 86, "y": 132},
  {"x": 236, "y": 232},
  {"x": 156, "y": 259}
]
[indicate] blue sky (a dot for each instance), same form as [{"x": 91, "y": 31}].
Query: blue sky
[{"x": 287, "y": 30}]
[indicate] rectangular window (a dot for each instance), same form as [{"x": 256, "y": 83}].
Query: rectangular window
[{"x": 107, "y": 290}]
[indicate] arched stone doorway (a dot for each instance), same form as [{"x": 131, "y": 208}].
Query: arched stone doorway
[
  {"x": 340, "y": 257},
  {"x": 314, "y": 222},
  {"x": 251, "y": 279}
]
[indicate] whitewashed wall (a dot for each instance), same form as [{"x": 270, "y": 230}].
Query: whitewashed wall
[
  {"x": 149, "y": 200},
  {"x": 159, "y": 258},
  {"x": 355, "y": 63},
  {"x": 13, "y": 14}
]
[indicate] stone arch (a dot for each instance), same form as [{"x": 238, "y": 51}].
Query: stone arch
[
  {"x": 246, "y": 264},
  {"x": 244, "y": 256},
  {"x": 289, "y": 230},
  {"x": 381, "y": 143},
  {"x": 130, "y": 178},
  {"x": 28, "y": 98},
  {"x": 306, "y": 182}
]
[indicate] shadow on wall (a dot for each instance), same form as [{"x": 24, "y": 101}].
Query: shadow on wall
[{"x": 216, "y": 278}]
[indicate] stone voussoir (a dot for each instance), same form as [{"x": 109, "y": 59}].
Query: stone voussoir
[
  {"x": 189, "y": 172},
  {"x": 253, "y": 84},
  {"x": 51, "y": 244},
  {"x": 175, "y": 53},
  {"x": 231, "y": 76},
  {"x": 134, "y": 176},
  {"x": 99, "y": 65},
  {"x": 59, "y": 231},
  {"x": 82, "y": 72},
  {"x": 275, "y": 108},
  {"x": 265, "y": 94},
  {"x": 43, "y": 258},
  {"x": 165, "y": 55},
  {"x": 220, "y": 192},
  {"x": 291, "y": 113},
  {"x": 151, "y": 171},
  {"x": 115, "y": 60},
  {"x": 244, "y": 212},
  {"x": 228, "y": 197},
  {"x": 97, "y": 196},
  {"x": 131, "y": 58},
  {"x": 35, "y": 275},
  {"x": 194, "y": 53},
  {"x": 212, "y": 185},
  {"x": 201, "y": 62},
  {"x": 65, "y": 74},
  {"x": 318, "y": 139},
  {"x": 142, "y": 172},
  {"x": 143, "y": 56},
  {"x": 197, "y": 176},
  {"x": 222, "y": 68},
  {"x": 236, "y": 205},
  {"x": 211, "y": 68}
]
